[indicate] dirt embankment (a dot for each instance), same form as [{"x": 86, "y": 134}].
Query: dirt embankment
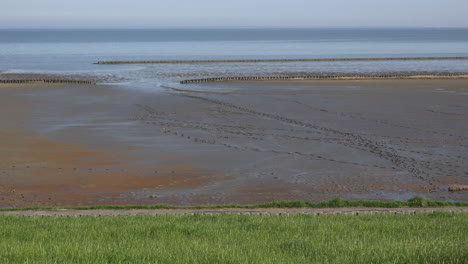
[{"x": 264, "y": 212}]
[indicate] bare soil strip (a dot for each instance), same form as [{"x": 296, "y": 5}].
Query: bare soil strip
[{"x": 266, "y": 212}]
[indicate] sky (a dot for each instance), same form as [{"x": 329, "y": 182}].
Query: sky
[{"x": 27, "y": 14}]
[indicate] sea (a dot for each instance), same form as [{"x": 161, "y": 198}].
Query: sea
[{"x": 76, "y": 51}]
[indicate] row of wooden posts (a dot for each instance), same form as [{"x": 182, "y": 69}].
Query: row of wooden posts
[
  {"x": 48, "y": 81},
  {"x": 281, "y": 60},
  {"x": 310, "y": 77}
]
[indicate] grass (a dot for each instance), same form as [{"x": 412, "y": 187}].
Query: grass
[
  {"x": 335, "y": 203},
  {"x": 426, "y": 238}
]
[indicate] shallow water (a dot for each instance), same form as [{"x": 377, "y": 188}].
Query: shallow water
[{"x": 75, "y": 51}]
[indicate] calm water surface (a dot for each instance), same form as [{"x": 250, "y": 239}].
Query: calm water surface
[{"x": 74, "y": 51}]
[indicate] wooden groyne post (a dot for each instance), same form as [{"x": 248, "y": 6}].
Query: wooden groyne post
[
  {"x": 48, "y": 81},
  {"x": 329, "y": 77},
  {"x": 280, "y": 60}
]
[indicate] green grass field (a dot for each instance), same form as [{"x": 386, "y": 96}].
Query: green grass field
[{"x": 425, "y": 238}]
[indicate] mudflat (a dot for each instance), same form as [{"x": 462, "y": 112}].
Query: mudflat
[{"x": 233, "y": 142}]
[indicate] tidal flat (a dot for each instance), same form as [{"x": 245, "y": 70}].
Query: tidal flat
[{"x": 233, "y": 142}]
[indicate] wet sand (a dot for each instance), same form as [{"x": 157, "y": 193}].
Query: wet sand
[{"x": 242, "y": 142}]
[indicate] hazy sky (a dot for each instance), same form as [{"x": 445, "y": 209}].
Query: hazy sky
[{"x": 235, "y": 13}]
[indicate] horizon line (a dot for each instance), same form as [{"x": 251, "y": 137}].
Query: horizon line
[{"x": 237, "y": 27}]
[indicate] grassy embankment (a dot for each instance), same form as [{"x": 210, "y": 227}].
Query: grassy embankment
[
  {"x": 335, "y": 203},
  {"x": 425, "y": 238}
]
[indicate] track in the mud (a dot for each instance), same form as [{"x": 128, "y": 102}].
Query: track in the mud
[{"x": 397, "y": 154}]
